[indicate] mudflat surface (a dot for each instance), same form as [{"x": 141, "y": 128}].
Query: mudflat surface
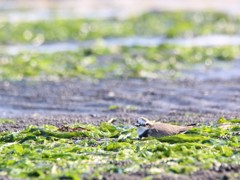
[{"x": 72, "y": 101}]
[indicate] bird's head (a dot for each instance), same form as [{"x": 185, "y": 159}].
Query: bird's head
[
  {"x": 142, "y": 127},
  {"x": 142, "y": 122}
]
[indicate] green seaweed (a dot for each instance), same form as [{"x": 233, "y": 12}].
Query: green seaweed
[
  {"x": 131, "y": 61},
  {"x": 99, "y": 61},
  {"x": 168, "y": 24},
  {"x": 223, "y": 120},
  {"x": 182, "y": 138},
  {"x": 7, "y": 121},
  {"x": 113, "y": 107},
  {"x": 87, "y": 151}
]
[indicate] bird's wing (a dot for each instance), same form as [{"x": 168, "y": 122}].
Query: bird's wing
[{"x": 169, "y": 129}]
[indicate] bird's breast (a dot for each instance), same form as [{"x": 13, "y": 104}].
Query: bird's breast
[{"x": 141, "y": 130}]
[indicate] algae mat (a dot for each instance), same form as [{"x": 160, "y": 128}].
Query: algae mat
[{"x": 87, "y": 151}]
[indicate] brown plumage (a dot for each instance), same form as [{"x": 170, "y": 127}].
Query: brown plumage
[{"x": 156, "y": 129}]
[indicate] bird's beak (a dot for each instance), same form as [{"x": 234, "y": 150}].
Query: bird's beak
[{"x": 140, "y": 122}]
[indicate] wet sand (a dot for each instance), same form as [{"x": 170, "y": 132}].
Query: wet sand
[{"x": 72, "y": 101}]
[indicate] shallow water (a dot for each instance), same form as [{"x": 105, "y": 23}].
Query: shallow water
[
  {"x": 27, "y": 10},
  {"x": 217, "y": 70},
  {"x": 209, "y": 40},
  {"x": 47, "y": 14}
]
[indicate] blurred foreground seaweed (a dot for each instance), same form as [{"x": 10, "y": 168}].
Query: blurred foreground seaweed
[{"x": 89, "y": 151}]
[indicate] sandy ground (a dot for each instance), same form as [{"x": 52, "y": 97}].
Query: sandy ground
[{"x": 71, "y": 101}]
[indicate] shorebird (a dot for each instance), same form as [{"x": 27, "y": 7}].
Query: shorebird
[{"x": 148, "y": 128}]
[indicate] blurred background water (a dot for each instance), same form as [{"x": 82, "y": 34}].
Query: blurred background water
[
  {"x": 24, "y": 10},
  {"x": 15, "y": 12}
]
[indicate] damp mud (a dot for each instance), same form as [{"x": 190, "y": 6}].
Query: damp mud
[{"x": 71, "y": 101}]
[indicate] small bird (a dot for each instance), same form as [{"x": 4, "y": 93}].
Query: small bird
[{"x": 148, "y": 128}]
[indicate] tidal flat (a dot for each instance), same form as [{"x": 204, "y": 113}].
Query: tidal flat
[{"x": 55, "y": 104}]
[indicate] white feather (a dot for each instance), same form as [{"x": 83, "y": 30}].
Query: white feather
[{"x": 141, "y": 130}]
